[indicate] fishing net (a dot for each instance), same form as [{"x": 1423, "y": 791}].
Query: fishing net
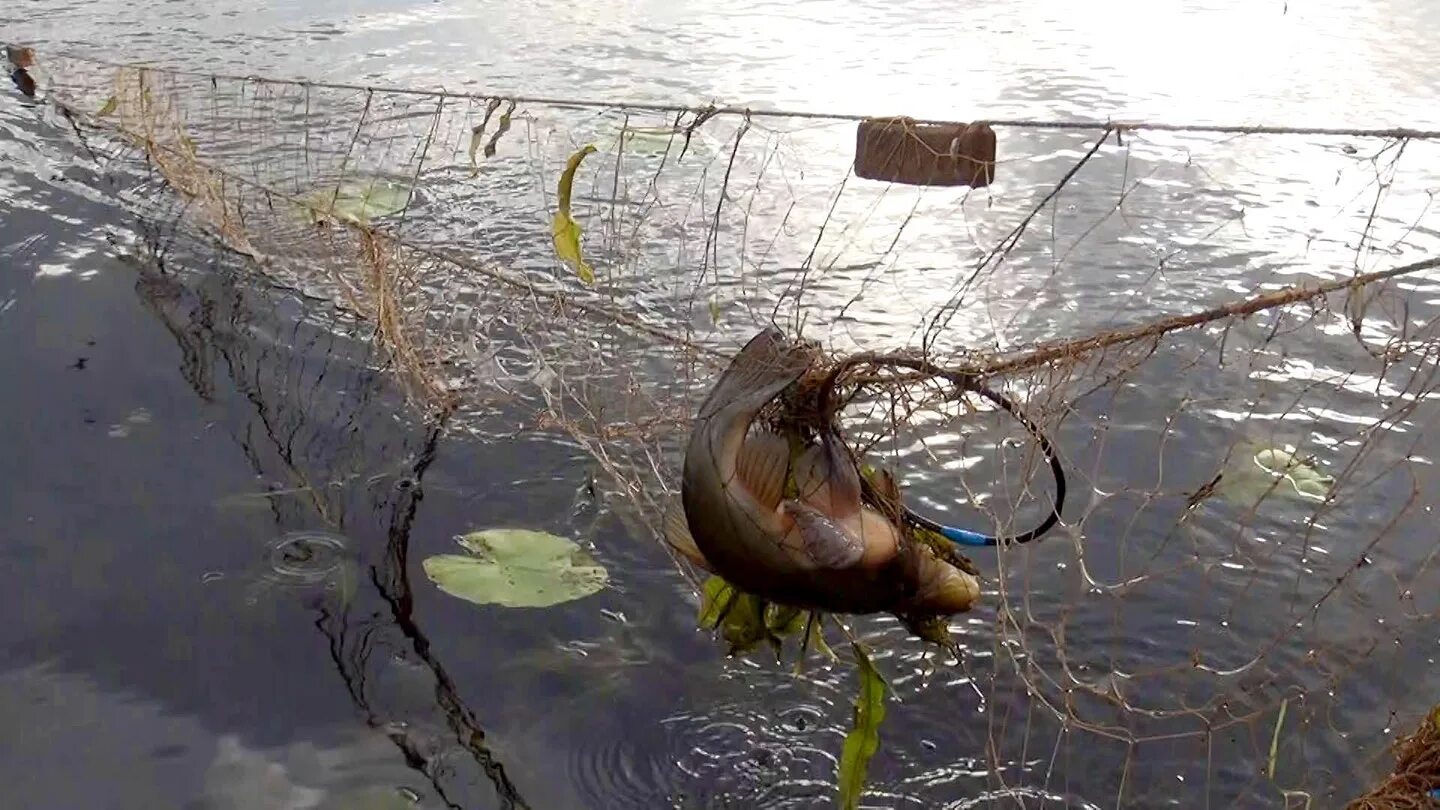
[{"x": 1229, "y": 337}]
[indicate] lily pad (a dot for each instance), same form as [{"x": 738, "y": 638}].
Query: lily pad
[
  {"x": 1308, "y": 482},
  {"x": 1255, "y": 468},
  {"x": 657, "y": 142},
  {"x": 517, "y": 568},
  {"x": 653, "y": 140},
  {"x": 358, "y": 200}
]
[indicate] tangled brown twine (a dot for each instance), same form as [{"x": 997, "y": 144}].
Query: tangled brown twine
[
  {"x": 1416, "y": 774},
  {"x": 814, "y": 406}
]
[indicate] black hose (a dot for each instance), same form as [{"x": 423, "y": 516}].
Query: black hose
[{"x": 970, "y": 382}]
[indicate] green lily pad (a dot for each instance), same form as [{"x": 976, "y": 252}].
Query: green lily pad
[
  {"x": 358, "y": 200},
  {"x": 517, "y": 568},
  {"x": 1255, "y": 468},
  {"x": 1308, "y": 481},
  {"x": 653, "y": 140}
]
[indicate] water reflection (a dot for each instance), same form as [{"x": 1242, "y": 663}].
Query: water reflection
[{"x": 295, "y": 445}]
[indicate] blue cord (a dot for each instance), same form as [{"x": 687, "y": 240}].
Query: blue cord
[{"x": 965, "y": 537}]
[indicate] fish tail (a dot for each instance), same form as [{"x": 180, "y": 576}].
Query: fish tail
[
  {"x": 844, "y": 477},
  {"x": 826, "y": 476},
  {"x": 677, "y": 534},
  {"x": 765, "y": 367}
]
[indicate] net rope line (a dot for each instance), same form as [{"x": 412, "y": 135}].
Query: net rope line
[
  {"x": 711, "y": 110},
  {"x": 1036, "y": 356},
  {"x": 1039, "y": 355}
]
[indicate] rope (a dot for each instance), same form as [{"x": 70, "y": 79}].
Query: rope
[
  {"x": 1039, "y": 356},
  {"x": 517, "y": 282},
  {"x": 712, "y": 110},
  {"x": 1294, "y": 294}
]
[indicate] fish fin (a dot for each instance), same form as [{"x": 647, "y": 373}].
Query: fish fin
[
  {"x": 766, "y": 366},
  {"x": 826, "y": 543},
  {"x": 886, "y": 485},
  {"x": 677, "y": 535},
  {"x": 761, "y": 465},
  {"x": 880, "y": 536},
  {"x": 812, "y": 479},
  {"x": 827, "y": 479},
  {"x": 844, "y": 477}
]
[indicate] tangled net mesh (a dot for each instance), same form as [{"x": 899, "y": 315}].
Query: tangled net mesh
[{"x": 1196, "y": 629}]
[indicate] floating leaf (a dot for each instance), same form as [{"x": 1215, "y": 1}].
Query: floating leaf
[
  {"x": 864, "y": 738},
  {"x": 648, "y": 140},
  {"x": 564, "y": 231},
  {"x": 517, "y": 568},
  {"x": 109, "y": 107},
  {"x": 1308, "y": 481},
  {"x": 1254, "y": 473},
  {"x": 359, "y": 200}
]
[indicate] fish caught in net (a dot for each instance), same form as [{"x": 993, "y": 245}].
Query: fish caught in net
[{"x": 1224, "y": 341}]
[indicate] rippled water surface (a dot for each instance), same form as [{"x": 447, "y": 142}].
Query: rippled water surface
[{"x": 216, "y": 499}]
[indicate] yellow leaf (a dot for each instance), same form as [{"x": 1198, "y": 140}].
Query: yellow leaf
[
  {"x": 565, "y": 231},
  {"x": 715, "y": 602},
  {"x": 817, "y": 640},
  {"x": 109, "y": 107}
]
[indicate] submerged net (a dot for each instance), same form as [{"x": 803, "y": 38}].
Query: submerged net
[{"x": 1238, "y": 603}]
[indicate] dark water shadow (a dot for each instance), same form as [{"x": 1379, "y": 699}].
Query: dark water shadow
[{"x": 299, "y": 436}]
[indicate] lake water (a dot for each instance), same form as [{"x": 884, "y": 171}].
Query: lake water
[{"x": 178, "y": 426}]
